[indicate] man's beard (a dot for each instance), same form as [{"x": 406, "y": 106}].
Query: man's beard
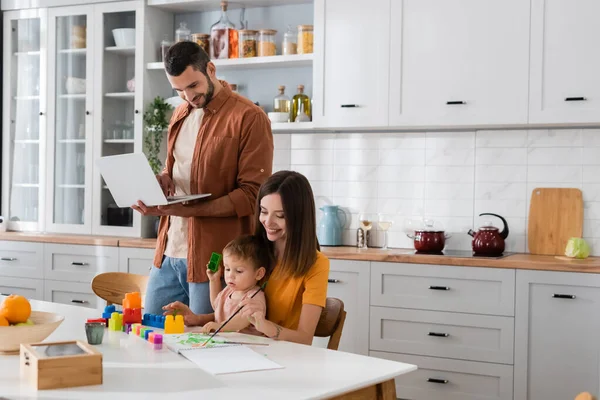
[{"x": 208, "y": 96}]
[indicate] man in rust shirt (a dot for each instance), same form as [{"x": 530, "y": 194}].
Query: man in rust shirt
[{"x": 220, "y": 143}]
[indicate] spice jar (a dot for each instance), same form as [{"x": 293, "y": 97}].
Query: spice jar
[
  {"x": 247, "y": 43},
  {"x": 266, "y": 42},
  {"x": 182, "y": 33},
  {"x": 203, "y": 41},
  {"x": 305, "y": 39},
  {"x": 164, "y": 47},
  {"x": 289, "y": 44}
]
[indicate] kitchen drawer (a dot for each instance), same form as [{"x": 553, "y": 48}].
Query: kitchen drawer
[
  {"x": 443, "y": 334},
  {"x": 443, "y": 288},
  {"x": 135, "y": 261},
  {"x": 30, "y": 288},
  {"x": 22, "y": 259},
  {"x": 452, "y": 379},
  {"x": 79, "y": 263},
  {"x": 71, "y": 293}
]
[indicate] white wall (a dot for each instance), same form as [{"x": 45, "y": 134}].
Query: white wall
[{"x": 451, "y": 177}]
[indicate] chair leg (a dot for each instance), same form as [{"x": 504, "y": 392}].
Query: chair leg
[{"x": 334, "y": 340}]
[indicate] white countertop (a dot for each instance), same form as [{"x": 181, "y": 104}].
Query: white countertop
[{"x": 132, "y": 369}]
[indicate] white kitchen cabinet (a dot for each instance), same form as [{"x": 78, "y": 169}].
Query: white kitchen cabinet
[
  {"x": 349, "y": 282},
  {"x": 564, "y": 79},
  {"x": 71, "y": 293},
  {"x": 79, "y": 263},
  {"x": 458, "y": 62},
  {"x": 353, "y": 66},
  {"x": 445, "y": 379},
  {"x": 29, "y": 288},
  {"x": 21, "y": 259},
  {"x": 135, "y": 260},
  {"x": 443, "y": 288},
  {"x": 24, "y": 119},
  {"x": 557, "y": 351}
]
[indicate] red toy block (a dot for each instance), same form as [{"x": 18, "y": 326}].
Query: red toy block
[{"x": 132, "y": 315}]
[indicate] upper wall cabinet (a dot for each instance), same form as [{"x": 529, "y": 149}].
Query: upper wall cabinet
[
  {"x": 458, "y": 62},
  {"x": 354, "y": 65},
  {"x": 564, "y": 81}
]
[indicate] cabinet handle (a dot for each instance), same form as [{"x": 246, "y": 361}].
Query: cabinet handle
[
  {"x": 349, "y": 106},
  {"x": 563, "y": 296},
  {"x": 41, "y": 113},
  {"x": 455, "y": 103},
  {"x": 79, "y": 264},
  {"x": 4, "y": 294},
  {"x": 8, "y": 259},
  {"x": 439, "y": 288},
  {"x": 435, "y": 380},
  {"x": 575, "y": 99},
  {"x": 80, "y": 301},
  {"x": 437, "y": 334},
  {"x": 333, "y": 280},
  {"x": 137, "y": 111},
  {"x": 87, "y": 113}
]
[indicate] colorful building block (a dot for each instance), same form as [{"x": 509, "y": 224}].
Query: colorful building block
[
  {"x": 132, "y": 315},
  {"x": 143, "y": 330},
  {"x": 132, "y": 300},
  {"x": 115, "y": 323},
  {"x": 174, "y": 325},
  {"x": 147, "y": 332},
  {"x": 157, "y": 341},
  {"x": 126, "y": 328},
  {"x": 135, "y": 329},
  {"x": 108, "y": 310},
  {"x": 155, "y": 321},
  {"x": 215, "y": 259}
]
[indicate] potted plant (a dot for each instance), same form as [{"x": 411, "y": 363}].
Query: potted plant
[{"x": 156, "y": 122}]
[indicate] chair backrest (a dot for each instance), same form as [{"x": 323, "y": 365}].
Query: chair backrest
[
  {"x": 331, "y": 322},
  {"x": 112, "y": 286},
  {"x": 585, "y": 396}
]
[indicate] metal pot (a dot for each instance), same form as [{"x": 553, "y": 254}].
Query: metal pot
[{"x": 429, "y": 239}]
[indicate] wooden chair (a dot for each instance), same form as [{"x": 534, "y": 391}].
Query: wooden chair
[
  {"x": 112, "y": 286},
  {"x": 585, "y": 396},
  {"x": 331, "y": 322}
]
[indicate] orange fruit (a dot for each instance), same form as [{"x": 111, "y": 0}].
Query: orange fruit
[
  {"x": 3, "y": 321},
  {"x": 15, "y": 309}
]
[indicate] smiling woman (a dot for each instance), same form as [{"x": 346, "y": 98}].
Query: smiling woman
[{"x": 297, "y": 288}]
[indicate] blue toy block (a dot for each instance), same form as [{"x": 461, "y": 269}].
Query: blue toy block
[
  {"x": 155, "y": 321},
  {"x": 108, "y": 310},
  {"x": 146, "y": 333}
]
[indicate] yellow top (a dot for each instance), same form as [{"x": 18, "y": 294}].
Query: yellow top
[{"x": 285, "y": 296}]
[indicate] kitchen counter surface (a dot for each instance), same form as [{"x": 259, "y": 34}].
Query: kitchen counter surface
[{"x": 516, "y": 261}]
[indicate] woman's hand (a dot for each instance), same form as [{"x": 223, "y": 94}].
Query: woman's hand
[
  {"x": 209, "y": 327},
  {"x": 177, "y": 307},
  {"x": 255, "y": 311}
]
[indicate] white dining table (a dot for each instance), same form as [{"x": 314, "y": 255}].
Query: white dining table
[{"x": 132, "y": 369}]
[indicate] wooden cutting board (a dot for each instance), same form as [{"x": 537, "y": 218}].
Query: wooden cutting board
[{"x": 555, "y": 216}]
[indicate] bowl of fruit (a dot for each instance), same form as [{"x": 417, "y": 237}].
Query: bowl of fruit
[{"x": 18, "y": 324}]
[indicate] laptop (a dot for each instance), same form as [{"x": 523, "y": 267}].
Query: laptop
[{"x": 130, "y": 178}]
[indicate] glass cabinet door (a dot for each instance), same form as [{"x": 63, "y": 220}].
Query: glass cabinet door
[
  {"x": 71, "y": 65},
  {"x": 24, "y": 109},
  {"x": 118, "y": 123}
]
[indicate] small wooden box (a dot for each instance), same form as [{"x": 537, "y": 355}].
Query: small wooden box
[{"x": 60, "y": 364}]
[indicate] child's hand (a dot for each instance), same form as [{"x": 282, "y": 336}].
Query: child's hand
[
  {"x": 209, "y": 327},
  {"x": 177, "y": 307},
  {"x": 213, "y": 276}
]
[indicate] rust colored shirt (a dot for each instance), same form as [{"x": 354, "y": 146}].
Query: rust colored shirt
[{"x": 233, "y": 156}]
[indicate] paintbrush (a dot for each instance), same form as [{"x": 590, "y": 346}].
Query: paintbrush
[{"x": 232, "y": 315}]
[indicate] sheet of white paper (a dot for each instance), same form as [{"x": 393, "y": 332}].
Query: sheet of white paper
[{"x": 229, "y": 360}]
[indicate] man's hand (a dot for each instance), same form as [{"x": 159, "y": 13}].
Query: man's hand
[
  {"x": 166, "y": 184},
  {"x": 145, "y": 210}
]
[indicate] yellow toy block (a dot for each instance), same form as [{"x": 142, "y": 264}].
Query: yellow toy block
[
  {"x": 174, "y": 325},
  {"x": 115, "y": 323}
]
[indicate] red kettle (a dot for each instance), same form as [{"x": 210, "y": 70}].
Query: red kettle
[{"x": 488, "y": 241}]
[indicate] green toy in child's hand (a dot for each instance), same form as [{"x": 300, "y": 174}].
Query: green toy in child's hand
[{"x": 215, "y": 260}]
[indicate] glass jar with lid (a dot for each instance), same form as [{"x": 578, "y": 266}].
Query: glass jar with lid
[
  {"x": 266, "y": 42},
  {"x": 305, "y": 39},
  {"x": 203, "y": 41},
  {"x": 182, "y": 33},
  {"x": 289, "y": 44},
  {"x": 224, "y": 38},
  {"x": 247, "y": 43}
]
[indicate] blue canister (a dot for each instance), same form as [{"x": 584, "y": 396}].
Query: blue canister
[{"x": 331, "y": 226}]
